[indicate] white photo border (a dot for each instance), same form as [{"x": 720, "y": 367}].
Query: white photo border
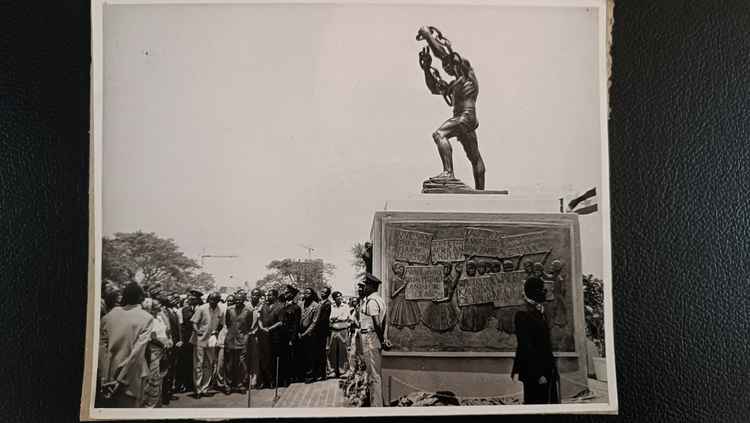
[{"x": 87, "y": 410}]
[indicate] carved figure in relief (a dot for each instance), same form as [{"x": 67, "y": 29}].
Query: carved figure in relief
[
  {"x": 528, "y": 267},
  {"x": 474, "y": 317},
  {"x": 440, "y": 315},
  {"x": 559, "y": 310},
  {"x": 404, "y": 313},
  {"x": 481, "y": 268},
  {"x": 537, "y": 270},
  {"x": 505, "y": 314}
]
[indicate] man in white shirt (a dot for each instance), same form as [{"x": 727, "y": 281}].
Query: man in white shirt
[
  {"x": 337, "y": 347},
  {"x": 208, "y": 321}
]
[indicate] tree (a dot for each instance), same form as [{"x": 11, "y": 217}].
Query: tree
[
  {"x": 362, "y": 258},
  {"x": 310, "y": 273},
  {"x": 202, "y": 281},
  {"x": 149, "y": 259},
  {"x": 593, "y": 304}
]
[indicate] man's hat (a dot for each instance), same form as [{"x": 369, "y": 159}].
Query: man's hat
[
  {"x": 196, "y": 293},
  {"x": 370, "y": 279},
  {"x": 533, "y": 288},
  {"x": 292, "y": 289}
]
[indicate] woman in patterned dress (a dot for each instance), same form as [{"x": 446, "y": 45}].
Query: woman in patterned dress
[{"x": 404, "y": 313}]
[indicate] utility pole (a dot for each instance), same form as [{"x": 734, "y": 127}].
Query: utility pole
[{"x": 205, "y": 256}]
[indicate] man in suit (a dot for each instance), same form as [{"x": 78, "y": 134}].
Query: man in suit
[
  {"x": 125, "y": 333},
  {"x": 308, "y": 334},
  {"x": 534, "y": 363},
  {"x": 235, "y": 342},
  {"x": 173, "y": 329},
  {"x": 290, "y": 367},
  {"x": 272, "y": 339},
  {"x": 252, "y": 347},
  {"x": 208, "y": 321},
  {"x": 185, "y": 360},
  {"x": 324, "y": 330}
]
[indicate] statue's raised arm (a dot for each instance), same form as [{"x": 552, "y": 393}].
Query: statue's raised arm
[
  {"x": 432, "y": 78},
  {"x": 439, "y": 45}
]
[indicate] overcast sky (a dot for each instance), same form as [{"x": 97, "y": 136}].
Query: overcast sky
[{"x": 252, "y": 130}]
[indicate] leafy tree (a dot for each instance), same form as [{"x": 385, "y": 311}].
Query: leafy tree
[
  {"x": 362, "y": 258},
  {"x": 593, "y": 303},
  {"x": 310, "y": 273},
  {"x": 149, "y": 259},
  {"x": 202, "y": 281}
]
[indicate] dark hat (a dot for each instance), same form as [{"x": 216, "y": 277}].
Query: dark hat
[
  {"x": 370, "y": 279},
  {"x": 196, "y": 293},
  {"x": 292, "y": 289},
  {"x": 533, "y": 288},
  {"x": 163, "y": 297}
]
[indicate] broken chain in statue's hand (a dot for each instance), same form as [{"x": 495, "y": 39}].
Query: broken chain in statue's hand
[{"x": 425, "y": 58}]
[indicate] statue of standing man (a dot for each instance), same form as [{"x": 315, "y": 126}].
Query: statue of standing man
[{"x": 460, "y": 93}]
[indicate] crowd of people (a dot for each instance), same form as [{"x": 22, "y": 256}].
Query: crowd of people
[{"x": 154, "y": 344}]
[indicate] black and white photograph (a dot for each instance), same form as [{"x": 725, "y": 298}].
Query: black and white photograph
[{"x": 349, "y": 209}]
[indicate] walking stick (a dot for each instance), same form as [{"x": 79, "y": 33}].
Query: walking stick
[
  {"x": 249, "y": 395},
  {"x": 276, "y": 393}
]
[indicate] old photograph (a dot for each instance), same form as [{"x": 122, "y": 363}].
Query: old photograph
[{"x": 349, "y": 209}]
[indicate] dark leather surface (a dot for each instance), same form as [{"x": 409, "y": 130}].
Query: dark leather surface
[{"x": 680, "y": 168}]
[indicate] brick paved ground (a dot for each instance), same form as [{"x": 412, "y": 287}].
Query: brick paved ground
[{"x": 319, "y": 394}]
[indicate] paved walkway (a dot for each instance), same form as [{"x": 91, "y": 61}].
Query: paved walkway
[{"x": 319, "y": 394}]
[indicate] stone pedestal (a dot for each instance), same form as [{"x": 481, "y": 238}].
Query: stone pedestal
[{"x": 466, "y": 345}]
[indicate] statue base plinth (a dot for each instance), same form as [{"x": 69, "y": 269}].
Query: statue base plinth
[{"x": 453, "y": 186}]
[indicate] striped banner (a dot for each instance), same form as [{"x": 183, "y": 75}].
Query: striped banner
[{"x": 585, "y": 203}]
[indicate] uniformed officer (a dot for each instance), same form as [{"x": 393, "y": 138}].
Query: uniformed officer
[{"x": 372, "y": 314}]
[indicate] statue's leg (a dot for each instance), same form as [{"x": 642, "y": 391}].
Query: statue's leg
[
  {"x": 441, "y": 136},
  {"x": 471, "y": 147},
  {"x": 446, "y": 153}
]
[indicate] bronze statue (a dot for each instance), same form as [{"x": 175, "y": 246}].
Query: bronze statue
[{"x": 461, "y": 94}]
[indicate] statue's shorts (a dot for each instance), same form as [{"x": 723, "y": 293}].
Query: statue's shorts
[{"x": 462, "y": 122}]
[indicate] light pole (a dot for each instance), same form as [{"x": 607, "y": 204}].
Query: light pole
[
  {"x": 309, "y": 249},
  {"x": 205, "y": 256}
]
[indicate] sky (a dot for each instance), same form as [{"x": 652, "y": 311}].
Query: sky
[{"x": 257, "y": 130}]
